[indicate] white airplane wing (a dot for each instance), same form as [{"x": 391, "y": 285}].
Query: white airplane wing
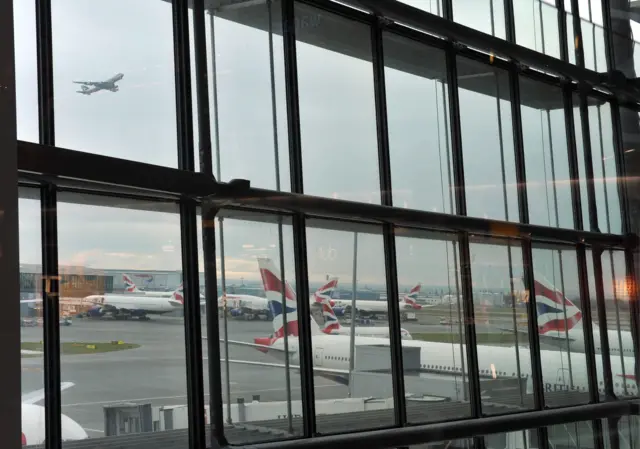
[
  {"x": 29, "y": 301},
  {"x": 316, "y": 369},
  {"x": 88, "y": 83},
  {"x": 252, "y": 345},
  {"x": 544, "y": 337},
  {"x": 38, "y": 395},
  {"x": 88, "y": 91}
]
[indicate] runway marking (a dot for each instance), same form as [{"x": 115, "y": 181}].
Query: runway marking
[{"x": 80, "y": 404}]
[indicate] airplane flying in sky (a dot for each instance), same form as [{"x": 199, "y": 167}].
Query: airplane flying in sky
[
  {"x": 331, "y": 356},
  {"x": 89, "y": 87},
  {"x": 33, "y": 420},
  {"x": 554, "y": 328}
]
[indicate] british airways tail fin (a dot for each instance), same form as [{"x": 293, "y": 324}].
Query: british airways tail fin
[
  {"x": 325, "y": 293},
  {"x": 551, "y": 308},
  {"x": 411, "y": 298},
  {"x": 331, "y": 322},
  {"x": 178, "y": 294},
  {"x": 273, "y": 287},
  {"x": 129, "y": 285}
]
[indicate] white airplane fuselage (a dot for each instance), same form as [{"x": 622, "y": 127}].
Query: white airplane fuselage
[
  {"x": 332, "y": 351},
  {"x": 133, "y": 302}
]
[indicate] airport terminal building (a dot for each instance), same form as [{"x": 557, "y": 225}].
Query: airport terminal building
[{"x": 432, "y": 206}]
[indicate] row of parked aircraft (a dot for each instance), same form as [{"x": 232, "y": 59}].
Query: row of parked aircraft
[{"x": 331, "y": 353}]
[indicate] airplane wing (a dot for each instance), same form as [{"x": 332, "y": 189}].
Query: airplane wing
[
  {"x": 37, "y": 395},
  {"x": 30, "y": 301},
  {"x": 316, "y": 369},
  {"x": 544, "y": 337},
  {"x": 88, "y": 83},
  {"x": 88, "y": 91},
  {"x": 253, "y": 345}
]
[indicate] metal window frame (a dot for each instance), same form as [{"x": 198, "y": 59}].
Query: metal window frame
[{"x": 56, "y": 168}]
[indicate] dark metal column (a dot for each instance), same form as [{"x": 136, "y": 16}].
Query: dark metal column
[
  {"x": 10, "y": 408},
  {"x": 49, "y": 230},
  {"x": 213, "y": 325},
  {"x": 188, "y": 221},
  {"x": 51, "y": 315},
  {"x": 577, "y": 33},
  {"x": 299, "y": 222},
  {"x": 192, "y": 324},
  {"x": 386, "y": 197},
  {"x": 202, "y": 87},
  {"x": 463, "y": 237}
]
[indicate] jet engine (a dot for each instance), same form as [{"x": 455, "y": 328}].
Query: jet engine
[
  {"x": 236, "y": 312},
  {"x": 95, "y": 311}
]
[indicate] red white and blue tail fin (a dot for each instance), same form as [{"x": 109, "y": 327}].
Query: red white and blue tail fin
[
  {"x": 552, "y": 306},
  {"x": 129, "y": 285},
  {"x": 331, "y": 322},
  {"x": 325, "y": 293},
  {"x": 178, "y": 294},
  {"x": 411, "y": 298}
]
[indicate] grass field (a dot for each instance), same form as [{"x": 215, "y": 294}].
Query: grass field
[
  {"x": 482, "y": 338},
  {"x": 73, "y": 348}
]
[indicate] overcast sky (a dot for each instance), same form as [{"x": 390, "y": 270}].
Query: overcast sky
[{"x": 338, "y": 128}]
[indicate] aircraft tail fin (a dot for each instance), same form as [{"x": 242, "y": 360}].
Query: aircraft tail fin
[
  {"x": 331, "y": 322},
  {"x": 552, "y": 307},
  {"x": 325, "y": 293},
  {"x": 411, "y": 298},
  {"x": 129, "y": 285}
]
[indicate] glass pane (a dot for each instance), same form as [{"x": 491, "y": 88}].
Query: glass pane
[
  {"x": 31, "y": 333},
  {"x": 337, "y": 109},
  {"x": 504, "y": 361},
  {"x": 247, "y": 95},
  {"x": 433, "y": 310},
  {"x": 483, "y": 15},
  {"x": 546, "y": 156},
  {"x": 487, "y": 141},
  {"x": 605, "y": 174},
  {"x": 616, "y": 296},
  {"x": 257, "y": 388},
  {"x": 582, "y": 176},
  {"x": 417, "y": 114},
  {"x": 536, "y": 23},
  {"x": 564, "y": 366},
  {"x": 121, "y": 315},
  {"x": 115, "y": 91},
  {"x": 431, "y": 6},
  {"x": 353, "y": 257},
  {"x": 24, "y": 22}
]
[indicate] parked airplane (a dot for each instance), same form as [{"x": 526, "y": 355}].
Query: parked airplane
[
  {"x": 89, "y": 87},
  {"x": 132, "y": 305},
  {"x": 331, "y": 354},
  {"x": 33, "y": 420},
  {"x": 252, "y": 307},
  {"x": 373, "y": 309},
  {"x": 332, "y": 326},
  {"x": 555, "y": 328}
]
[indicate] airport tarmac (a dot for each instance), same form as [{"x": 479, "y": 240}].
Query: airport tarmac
[{"x": 155, "y": 372}]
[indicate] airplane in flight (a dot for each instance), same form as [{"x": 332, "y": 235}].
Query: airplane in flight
[
  {"x": 90, "y": 87},
  {"x": 331, "y": 355},
  {"x": 332, "y": 326},
  {"x": 33, "y": 420},
  {"x": 556, "y": 329}
]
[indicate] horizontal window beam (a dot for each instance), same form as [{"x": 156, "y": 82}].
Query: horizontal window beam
[
  {"x": 86, "y": 171},
  {"x": 456, "y": 430}
]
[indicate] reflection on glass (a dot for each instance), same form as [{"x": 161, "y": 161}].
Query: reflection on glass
[
  {"x": 501, "y": 323},
  {"x": 257, "y": 386},
  {"x": 118, "y": 98},
  {"x": 536, "y": 23},
  {"x": 346, "y": 266},
  {"x": 32, "y": 362},
  {"x": 564, "y": 366},
  {"x": 247, "y": 95},
  {"x": 121, "y": 308},
  {"x": 435, "y": 310},
  {"x": 605, "y": 175},
  {"x": 485, "y": 15},
  {"x": 487, "y": 141},
  {"x": 337, "y": 109},
  {"x": 417, "y": 111},
  {"x": 546, "y": 157},
  {"x": 24, "y": 22},
  {"x": 617, "y": 313}
]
